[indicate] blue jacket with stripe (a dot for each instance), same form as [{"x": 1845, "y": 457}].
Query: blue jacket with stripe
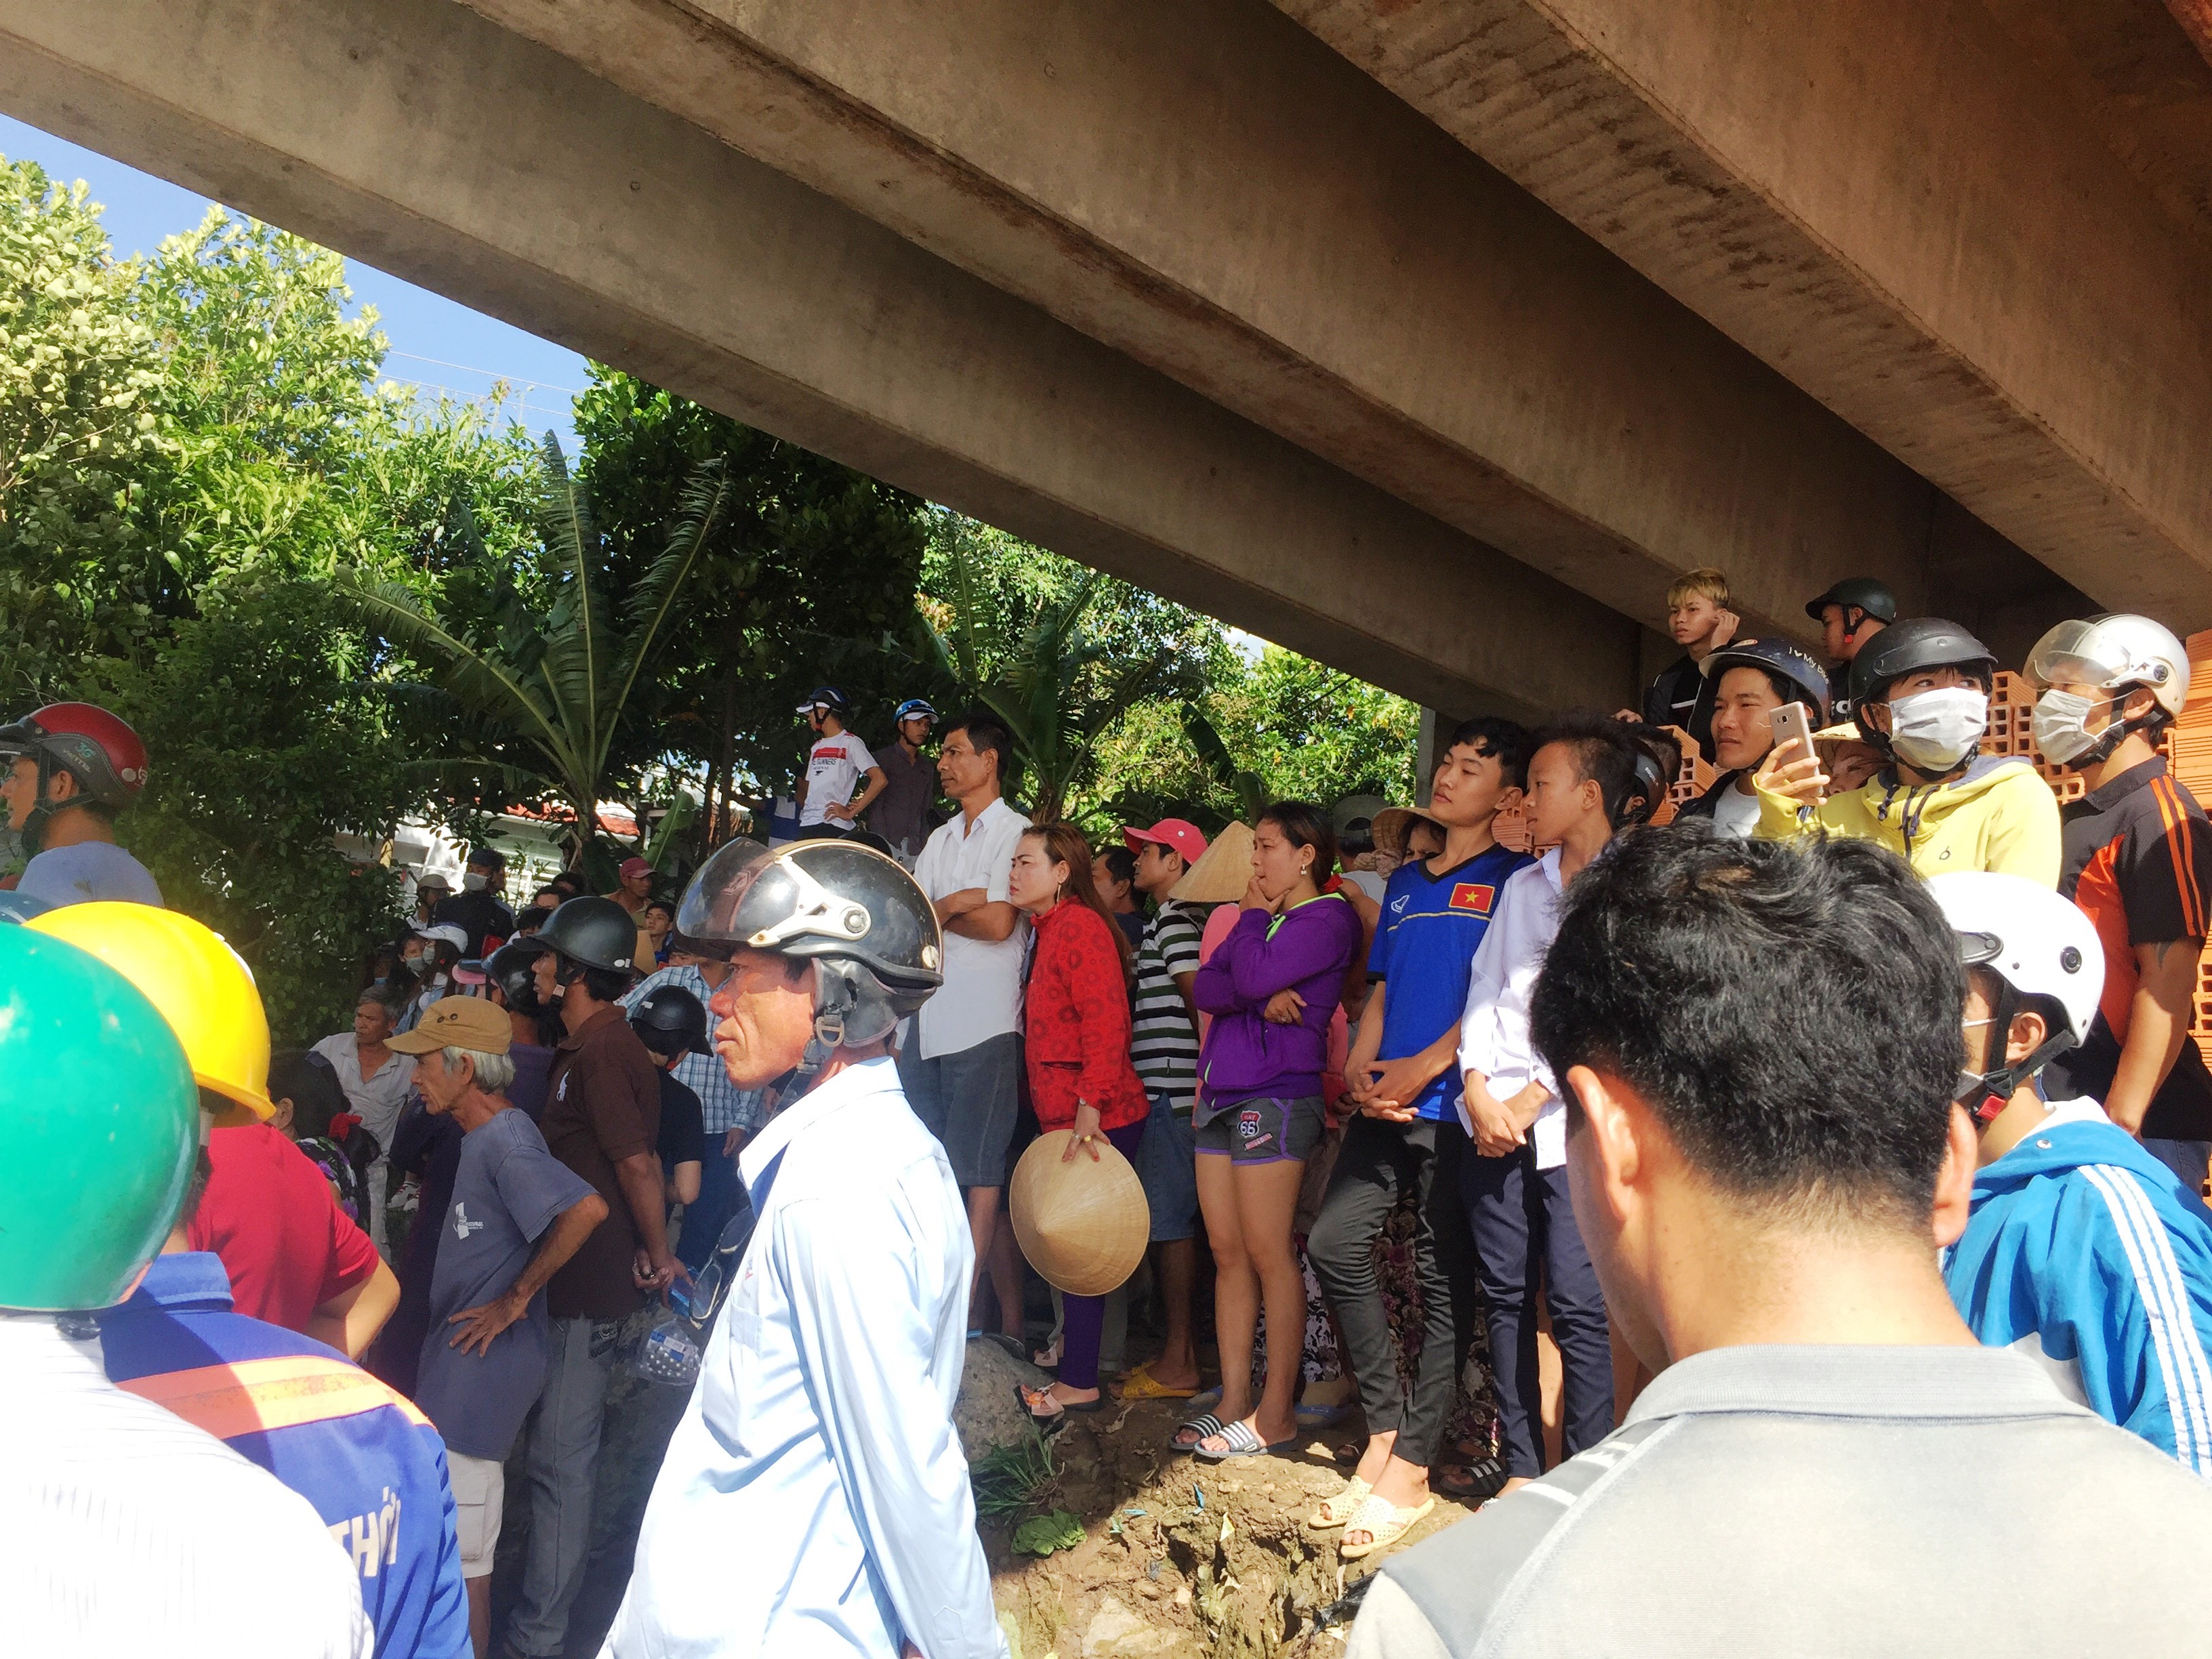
[
  {"x": 366, "y": 1459},
  {"x": 2082, "y": 1251}
]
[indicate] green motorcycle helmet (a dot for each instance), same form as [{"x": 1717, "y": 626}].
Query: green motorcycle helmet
[{"x": 100, "y": 1128}]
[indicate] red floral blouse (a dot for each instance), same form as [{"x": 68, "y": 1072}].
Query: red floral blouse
[{"x": 1075, "y": 1016}]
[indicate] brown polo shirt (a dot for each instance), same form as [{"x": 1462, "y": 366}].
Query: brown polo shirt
[{"x": 602, "y": 1105}]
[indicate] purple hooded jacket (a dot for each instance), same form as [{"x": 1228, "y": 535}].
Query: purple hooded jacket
[{"x": 1247, "y": 1056}]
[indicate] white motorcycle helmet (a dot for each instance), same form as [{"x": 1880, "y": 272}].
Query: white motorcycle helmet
[
  {"x": 2038, "y": 945},
  {"x": 2110, "y": 653}
]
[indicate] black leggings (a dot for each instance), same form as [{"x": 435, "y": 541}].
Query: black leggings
[{"x": 1378, "y": 1164}]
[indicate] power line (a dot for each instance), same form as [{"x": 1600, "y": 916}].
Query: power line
[{"x": 489, "y": 374}]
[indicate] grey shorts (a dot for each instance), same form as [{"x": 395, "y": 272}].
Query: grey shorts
[
  {"x": 1264, "y": 1130},
  {"x": 968, "y": 1100},
  {"x": 1167, "y": 1164}
]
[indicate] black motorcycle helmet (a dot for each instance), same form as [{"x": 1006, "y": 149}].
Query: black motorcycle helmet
[
  {"x": 593, "y": 932},
  {"x": 1909, "y": 646},
  {"x": 1861, "y": 594},
  {"x": 1780, "y": 658},
  {"x": 869, "y": 929},
  {"x": 669, "y": 1020},
  {"x": 513, "y": 967}
]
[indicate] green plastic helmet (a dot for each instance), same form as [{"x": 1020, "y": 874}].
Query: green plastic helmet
[{"x": 100, "y": 1126}]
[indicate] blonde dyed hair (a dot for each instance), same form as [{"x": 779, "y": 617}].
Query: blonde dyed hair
[{"x": 1705, "y": 579}]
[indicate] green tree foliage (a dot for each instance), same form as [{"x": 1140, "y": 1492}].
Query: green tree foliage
[
  {"x": 540, "y": 692},
  {"x": 808, "y": 577}
]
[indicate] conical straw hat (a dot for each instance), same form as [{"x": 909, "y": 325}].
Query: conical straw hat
[
  {"x": 1393, "y": 824},
  {"x": 1082, "y": 1225},
  {"x": 1223, "y": 872}
]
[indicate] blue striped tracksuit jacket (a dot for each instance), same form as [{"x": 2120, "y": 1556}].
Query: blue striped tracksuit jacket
[{"x": 2082, "y": 1252}]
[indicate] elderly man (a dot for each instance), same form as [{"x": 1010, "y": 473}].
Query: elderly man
[
  {"x": 376, "y": 1078},
  {"x": 517, "y": 1214}
]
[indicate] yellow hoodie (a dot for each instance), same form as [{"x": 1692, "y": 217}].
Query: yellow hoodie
[{"x": 1998, "y": 815}]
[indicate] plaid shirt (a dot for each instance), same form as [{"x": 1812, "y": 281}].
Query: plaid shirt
[{"x": 724, "y": 1106}]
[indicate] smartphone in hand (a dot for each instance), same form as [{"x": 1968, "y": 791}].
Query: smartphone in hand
[{"x": 1788, "y": 722}]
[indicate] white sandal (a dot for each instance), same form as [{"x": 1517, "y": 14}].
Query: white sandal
[
  {"x": 1384, "y": 1523},
  {"x": 1340, "y": 1506}
]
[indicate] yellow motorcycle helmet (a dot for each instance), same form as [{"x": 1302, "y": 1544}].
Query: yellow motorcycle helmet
[{"x": 202, "y": 986}]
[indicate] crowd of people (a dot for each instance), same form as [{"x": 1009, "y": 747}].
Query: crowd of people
[{"x": 1844, "y": 1138}]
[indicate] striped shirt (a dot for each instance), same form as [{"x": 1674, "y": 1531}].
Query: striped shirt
[
  {"x": 723, "y": 1106},
  {"x": 1164, "y": 1043}
]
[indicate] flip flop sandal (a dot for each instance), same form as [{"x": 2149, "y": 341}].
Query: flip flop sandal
[
  {"x": 1322, "y": 1417},
  {"x": 1032, "y": 1398},
  {"x": 1013, "y": 1346},
  {"x": 1140, "y": 1384},
  {"x": 1477, "y": 1483},
  {"x": 1045, "y": 1358},
  {"x": 1340, "y": 1506},
  {"x": 1198, "y": 1429},
  {"x": 1384, "y": 1523},
  {"x": 1243, "y": 1441}
]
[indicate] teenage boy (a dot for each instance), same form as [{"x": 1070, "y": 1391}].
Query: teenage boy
[
  {"x": 2082, "y": 1250},
  {"x": 477, "y": 909},
  {"x": 1850, "y": 613},
  {"x": 2138, "y": 858},
  {"x": 1699, "y": 617},
  {"x": 1589, "y": 779},
  {"x": 1764, "y": 1162},
  {"x": 837, "y": 761},
  {"x": 961, "y": 1063},
  {"x": 1920, "y": 694},
  {"x": 1163, "y": 1048},
  {"x": 1745, "y": 682},
  {"x": 903, "y": 810},
  {"x": 1407, "y": 1137}
]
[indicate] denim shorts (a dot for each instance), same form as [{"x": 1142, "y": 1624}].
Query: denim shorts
[
  {"x": 1264, "y": 1130},
  {"x": 1167, "y": 1164}
]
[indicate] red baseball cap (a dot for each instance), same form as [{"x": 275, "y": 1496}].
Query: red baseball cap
[
  {"x": 634, "y": 867},
  {"x": 1176, "y": 834}
]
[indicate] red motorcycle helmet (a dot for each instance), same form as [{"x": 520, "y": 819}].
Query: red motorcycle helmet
[{"x": 92, "y": 746}]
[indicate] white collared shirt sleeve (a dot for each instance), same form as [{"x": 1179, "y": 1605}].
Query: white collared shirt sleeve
[
  {"x": 868, "y": 1351},
  {"x": 1006, "y": 836},
  {"x": 1494, "y": 1037}
]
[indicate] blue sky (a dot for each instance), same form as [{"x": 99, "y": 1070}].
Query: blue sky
[{"x": 435, "y": 343}]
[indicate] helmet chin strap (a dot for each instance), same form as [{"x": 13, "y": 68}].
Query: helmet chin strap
[
  {"x": 1985, "y": 1094},
  {"x": 833, "y": 1002}
]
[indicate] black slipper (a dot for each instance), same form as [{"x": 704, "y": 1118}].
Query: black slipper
[
  {"x": 1477, "y": 1483},
  {"x": 1201, "y": 1427}
]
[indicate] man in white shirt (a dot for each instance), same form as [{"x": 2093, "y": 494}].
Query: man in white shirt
[
  {"x": 65, "y": 771},
  {"x": 962, "y": 1062},
  {"x": 1587, "y": 779},
  {"x": 818, "y": 1443},
  {"x": 837, "y": 762},
  {"x": 377, "y": 1081},
  {"x": 123, "y": 1529}
]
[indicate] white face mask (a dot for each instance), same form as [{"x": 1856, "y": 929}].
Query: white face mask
[
  {"x": 474, "y": 881},
  {"x": 1933, "y": 731},
  {"x": 2061, "y": 726}
]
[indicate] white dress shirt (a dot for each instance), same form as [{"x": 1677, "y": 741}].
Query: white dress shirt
[
  {"x": 815, "y": 1498},
  {"x": 982, "y": 993},
  {"x": 1494, "y": 1033},
  {"x": 125, "y": 1531}
]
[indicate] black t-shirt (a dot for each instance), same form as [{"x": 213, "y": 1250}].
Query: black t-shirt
[
  {"x": 480, "y": 916},
  {"x": 2138, "y": 862},
  {"x": 682, "y": 1126}
]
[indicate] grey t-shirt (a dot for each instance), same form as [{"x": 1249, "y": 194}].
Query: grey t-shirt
[
  {"x": 1793, "y": 1501},
  {"x": 90, "y": 870},
  {"x": 507, "y": 1191}
]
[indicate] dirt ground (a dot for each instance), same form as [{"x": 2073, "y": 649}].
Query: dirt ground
[{"x": 1180, "y": 1559}]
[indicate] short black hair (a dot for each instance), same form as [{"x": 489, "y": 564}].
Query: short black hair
[
  {"x": 1789, "y": 1009},
  {"x": 1505, "y": 741},
  {"x": 986, "y": 734},
  {"x": 1121, "y": 864},
  {"x": 605, "y": 984},
  {"x": 1607, "y": 752}
]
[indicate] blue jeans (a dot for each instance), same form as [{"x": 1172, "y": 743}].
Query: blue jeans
[{"x": 1167, "y": 1166}]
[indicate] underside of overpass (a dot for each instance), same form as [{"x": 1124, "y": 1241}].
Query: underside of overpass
[{"x": 1430, "y": 337}]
